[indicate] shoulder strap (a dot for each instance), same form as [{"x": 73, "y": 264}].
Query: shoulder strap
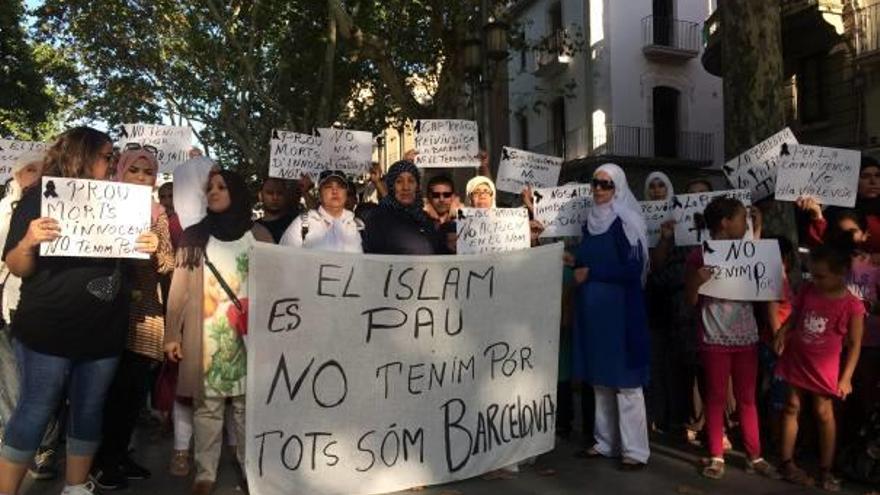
[{"x": 223, "y": 284}]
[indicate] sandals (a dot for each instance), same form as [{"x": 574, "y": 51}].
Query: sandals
[
  {"x": 713, "y": 469},
  {"x": 793, "y": 474},
  {"x": 762, "y": 467},
  {"x": 588, "y": 453},
  {"x": 828, "y": 481}
]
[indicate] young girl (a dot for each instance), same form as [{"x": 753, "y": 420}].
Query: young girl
[
  {"x": 728, "y": 335},
  {"x": 810, "y": 345}
]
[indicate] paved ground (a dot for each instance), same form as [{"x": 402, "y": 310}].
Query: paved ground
[{"x": 672, "y": 471}]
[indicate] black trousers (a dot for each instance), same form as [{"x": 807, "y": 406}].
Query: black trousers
[{"x": 125, "y": 399}]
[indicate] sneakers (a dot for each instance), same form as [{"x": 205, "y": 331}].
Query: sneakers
[
  {"x": 180, "y": 465},
  {"x": 84, "y": 489},
  {"x": 44, "y": 465},
  {"x": 132, "y": 470},
  {"x": 108, "y": 478}
]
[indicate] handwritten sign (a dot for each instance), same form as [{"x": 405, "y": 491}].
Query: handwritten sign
[
  {"x": 447, "y": 143},
  {"x": 99, "y": 219},
  {"x": 172, "y": 142},
  {"x": 655, "y": 213},
  {"x": 743, "y": 270},
  {"x": 11, "y": 150},
  {"x": 492, "y": 230},
  {"x": 347, "y": 150},
  {"x": 562, "y": 210},
  {"x": 402, "y": 371},
  {"x": 519, "y": 169},
  {"x": 687, "y": 211},
  {"x": 755, "y": 169},
  {"x": 292, "y": 154},
  {"x": 830, "y": 175}
]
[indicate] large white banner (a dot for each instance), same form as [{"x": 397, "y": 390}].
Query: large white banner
[
  {"x": 447, "y": 143},
  {"x": 99, "y": 219},
  {"x": 292, "y": 155},
  {"x": 372, "y": 374},
  {"x": 562, "y": 210},
  {"x": 744, "y": 270},
  {"x": 492, "y": 230},
  {"x": 519, "y": 168},
  {"x": 347, "y": 150},
  {"x": 172, "y": 142},
  {"x": 656, "y": 213},
  {"x": 830, "y": 175},
  {"x": 755, "y": 169},
  {"x": 687, "y": 211},
  {"x": 11, "y": 149}
]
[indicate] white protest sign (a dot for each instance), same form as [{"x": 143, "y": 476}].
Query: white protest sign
[
  {"x": 372, "y": 374},
  {"x": 99, "y": 219},
  {"x": 447, "y": 143},
  {"x": 755, "y": 169},
  {"x": 347, "y": 150},
  {"x": 687, "y": 211},
  {"x": 11, "y": 149},
  {"x": 520, "y": 168},
  {"x": 492, "y": 230},
  {"x": 655, "y": 213},
  {"x": 292, "y": 154},
  {"x": 172, "y": 142},
  {"x": 830, "y": 175},
  {"x": 562, "y": 210},
  {"x": 743, "y": 270}
]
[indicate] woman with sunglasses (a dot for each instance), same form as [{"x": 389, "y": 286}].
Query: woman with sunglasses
[
  {"x": 330, "y": 227},
  {"x": 69, "y": 326},
  {"x": 611, "y": 336}
]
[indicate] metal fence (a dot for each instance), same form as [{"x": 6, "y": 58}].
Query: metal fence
[
  {"x": 630, "y": 141},
  {"x": 867, "y": 39},
  {"x": 672, "y": 33}
]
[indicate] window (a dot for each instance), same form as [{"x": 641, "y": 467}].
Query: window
[
  {"x": 522, "y": 60},
  {"x": 665, "y": 121},
  {"x": 811, "y": 92},
  {"x": 557, "y": 126},
  {"x": 523, "y": 124}
]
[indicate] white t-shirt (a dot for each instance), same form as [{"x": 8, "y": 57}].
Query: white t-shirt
[{"x": 317, "y": 229}]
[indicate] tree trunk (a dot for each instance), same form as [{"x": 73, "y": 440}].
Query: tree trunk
[{"x": 754, "y": 104}]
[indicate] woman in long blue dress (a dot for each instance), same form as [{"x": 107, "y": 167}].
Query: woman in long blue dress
[{"x": 611, "y": 336}]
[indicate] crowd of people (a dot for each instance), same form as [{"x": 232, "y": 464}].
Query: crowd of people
[{"x": 89, "y": 342}]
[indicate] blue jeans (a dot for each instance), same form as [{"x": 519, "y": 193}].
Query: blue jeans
[{"x": 43, "y": 380}]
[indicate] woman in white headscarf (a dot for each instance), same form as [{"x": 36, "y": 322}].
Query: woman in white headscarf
[
  {"x": 658, "y": 187},
  {"x": 611, "y": 350}
]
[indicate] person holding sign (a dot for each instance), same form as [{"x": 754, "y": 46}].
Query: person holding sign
[
  {"x": 146, "y": 333},
  {"x": 207, "y": 318},
  {"x": 399, "y": 225},
  {"x": 331, "y": 227},
  {"x": 69, "y": 325},
  {"x": 811, "y": 346},
  {"x": 611, "y": 337},
  {"x": 728, "y": 334}
]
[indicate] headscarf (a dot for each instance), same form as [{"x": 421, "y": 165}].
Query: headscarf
[
  {"x": 476, "y": 181},
  {"x": 868, "y": 206},
  {"x": 190, "y": 181},
  {"x": 625, "y": 207},
  {"x": 390, "y": 202},
  {"x": 227, "y": 225},
  {"x": 663, "y": 178},
  {"x": 129, "y": 158},
  {"x": 14, "y": 191}
]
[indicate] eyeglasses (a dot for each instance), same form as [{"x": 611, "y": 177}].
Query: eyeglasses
[
  {"x": 482, "y": 192},
  {"x": 444, "y": 195},
  {"x": 138, "y": 146},
  {"x": 607, "y": 185}
]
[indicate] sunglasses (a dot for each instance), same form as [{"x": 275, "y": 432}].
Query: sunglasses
[
  {"x": 444, "y": 195},
  {"x": 138, "y": 146},
  {"x": 606, "y": 185}
]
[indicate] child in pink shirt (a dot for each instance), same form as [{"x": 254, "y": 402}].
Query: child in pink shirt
[{"x": 810, "y": 344}]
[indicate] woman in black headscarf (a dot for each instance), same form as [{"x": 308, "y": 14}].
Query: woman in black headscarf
[
  {"x": 399, "y": 225},
  {"x": 206, "y": 318}
]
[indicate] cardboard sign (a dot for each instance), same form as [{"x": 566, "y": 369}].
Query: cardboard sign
[
  {"x": 99, "y": 219},
  {"x": 172, "y": 142},
  {"x": 562, "y": 210},
  {"x": 755, "y": 169},
  {"x": 347, "y": 150},
  {"x": 656, "y": 213},
  {"x": 291, "y": 155},
  {"x": 830, "y": 175},
  {"x": 447, "y": 143},
  {"x": 492, "y": 230},
  {"x": 520, "y": 168},
  {"x": 373, "y": 374},
  {"x": 687, "y": 211},
  {"x": 11, "y": 150},
  {"x": 743, "y": 270}
]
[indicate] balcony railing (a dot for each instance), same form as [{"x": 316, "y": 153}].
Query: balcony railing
[
  {"x": 553, "y": 54},
  {"x": 867, "y": 35},
  {"x": 670, "y": 39}
]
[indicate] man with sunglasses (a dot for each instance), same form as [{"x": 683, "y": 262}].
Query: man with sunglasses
[{"x": 441, "y": 200}]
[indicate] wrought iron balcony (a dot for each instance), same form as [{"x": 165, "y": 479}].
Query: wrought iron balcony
[
  {"x": 670, "y": 40},
  {"x": 867, "y": 32},
  {"x": 553, "y": 54},
  {"x": 647, "y": 142}
]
